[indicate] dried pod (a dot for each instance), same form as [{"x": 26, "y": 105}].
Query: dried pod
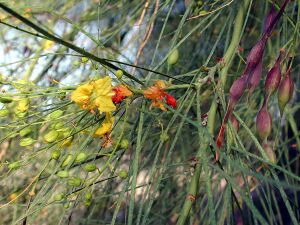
[
  {"x": 270, "y": 153},
  {"x": 264, "y": 122},
  {"x": 285, "y": 90},
  {"x": 235, "y": 123},
  {"x": 273, "y": 77},
  {"x": 255, "y": 78},
  {"x": 255, "y": 55},
  {"x": 269, "y": 18},
  {"x": 274, "y": 20}
]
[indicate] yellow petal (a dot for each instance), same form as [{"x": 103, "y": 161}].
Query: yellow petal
[
  {"x": 105, "y": 104},
  {"x": 82, "y": 94},
  {"x": 106, "y": 125}
]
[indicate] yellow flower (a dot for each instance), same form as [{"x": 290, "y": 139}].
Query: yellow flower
[
  {"x": 104, "y": 92},
  {"x": 95, "y": 94},
  {"x": 106, "y": 126},
  {"x": 23, "y": 105},
  {"x": 82, "y": 96}
]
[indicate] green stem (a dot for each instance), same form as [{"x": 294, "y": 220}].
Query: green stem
[{"x": 228, "y": 57}]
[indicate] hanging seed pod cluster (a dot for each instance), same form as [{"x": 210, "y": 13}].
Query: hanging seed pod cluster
[{"x": 251, "y": 78}]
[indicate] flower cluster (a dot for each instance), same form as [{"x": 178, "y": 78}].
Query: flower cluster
[
  {"x": 102, "y": 96},
  {"x": 158, "y": 95}
]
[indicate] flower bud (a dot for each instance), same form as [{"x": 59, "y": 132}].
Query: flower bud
[
  {"x": 14, "y": 165},
  {"x": 5, "y": 99},
  {"x": 264, "y": 122},
  {"x": 26, "y": 131},
  {"x": 63, "y": 174},
  {"x": 51, "y": 136},
  {"x": 123, "y": 174},
  {"x": 55, "y": 115},
  {"x": 55, "y": 154},
  {"x": 273, "y": 77},
  {"x": 67, "y": 161},
  {"x": 119, "y": 74},
  {"x": 88, "y": 196},
  {"x": 90, "y": 167},
  {"x": 80, "y": 157},
  {"x": 74, "y": 181},
  {"x": 285, "y": 91},
  {"x": 58, "y": 197},
  {"x": 124, "y": 144},
  {"x": 173, "y": 57},
  {"x": 26, "y": 142},
  {"x": 4, "y": 112}
]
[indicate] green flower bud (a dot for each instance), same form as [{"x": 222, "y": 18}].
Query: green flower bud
[
  {"x": 5, "y": 99},
  {"x": 173, "y": 57},
  {"x": 74, "y": 181},
  {"x": 119, "y": 74},
  {"x": 4, "y": 112},
  {"x": 63, "y": 174},
  {"x": 26, "y": 142},
  {"x": 67, "y": 161},
  {"x": 55, "y": 115},
  {"x": 59, "y": 197},
  {"x": 124, "y": 144},
  {"x": 51, "y": 136},
  {"x": 55, "y": 154},
  {"x": 80, "y": 157},
  {"x": 90, "y": 167},
  {"x": 164, "y": 136},
  {"x": 26, "y": 131},
  {"x": 14, "y": 165},
  {"x": 88, "y": 196},
  {"x": 84, "y": 59},
  {"x": 67, "y": 205},
  {"x": 123, "y": 174}
]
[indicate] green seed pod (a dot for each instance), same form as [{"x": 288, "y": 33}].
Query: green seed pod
[
  {"x": 88, "y": 196},
  {"x": 51, "y": 136},
  {"x": 74, "y": 181},
  {"x": 90, "y": 167},
  {"x": 4, "y": 112},
  {"x": 67, "y": 161},
  {"x": 5, "y": 99},
  {"x": 123, "y": 174},
  {"x": 59, "y": 197},
  {"x": 119, "y": 74},
  {"x": 14, "y": 165},
  {"x": 26, "y": 142},
  {"x": 55, "y": 115},
  {"x": 84, "y": 59},
  {"x": 124, "y": 144},
  {"x": 173, "y": 57},
  {"x": 67, "y": 205},
  {"x": 26, "y": 131},
  {"x": 63, "y": 174},
  {"x": 55, "y": 154},
  {"x": 80, "y": 157}
]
